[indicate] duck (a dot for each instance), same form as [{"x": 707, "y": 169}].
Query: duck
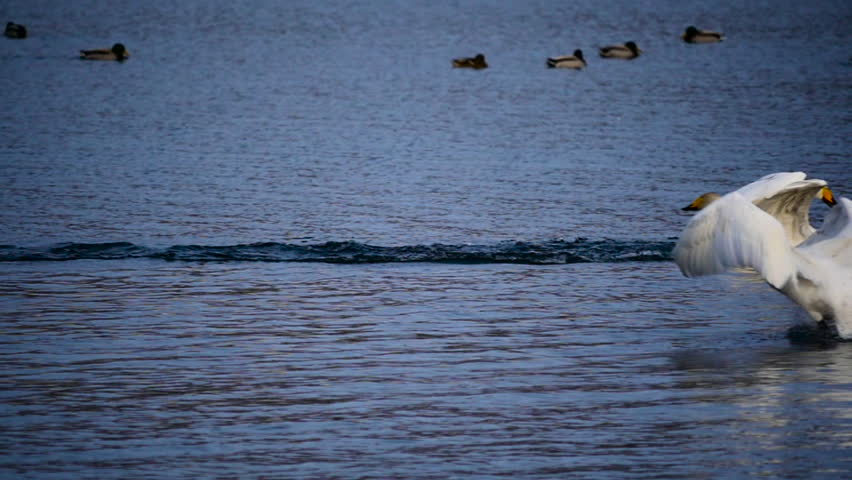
[
  {"x": 786, "y": 196},
  {"x": 117, "y": 52},
  {"x": 14, "y": 30},
  {"x": 628, "y": 51},
  {"x": 477, "y": 62},
  {"x": 694, "y": 35},
  {"x": 575, "y": 61},
  {"x": 734, "y": 233}
]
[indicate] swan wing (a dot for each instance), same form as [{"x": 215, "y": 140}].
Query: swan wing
[
  {"x": 733, "y": 233},
  {"x": 834, "y": 239},
  {"x": 769, "y": 185},
  {"x": 787, "y": 196},
  {"x": 791, "y": 206}
]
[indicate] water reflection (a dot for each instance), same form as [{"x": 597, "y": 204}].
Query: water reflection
[{"x": 776, "y": 398}]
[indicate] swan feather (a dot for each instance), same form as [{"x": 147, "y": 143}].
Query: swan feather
[
  {"x": 733, "y": 233},
  {"x": 834, "y": 239}
]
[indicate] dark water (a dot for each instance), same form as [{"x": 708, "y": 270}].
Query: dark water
[
  {"x": 287, "y": 240},
  {"x": 556, "y": 251}
]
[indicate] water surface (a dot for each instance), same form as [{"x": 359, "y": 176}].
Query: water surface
[{"x": 287, "y": 240}]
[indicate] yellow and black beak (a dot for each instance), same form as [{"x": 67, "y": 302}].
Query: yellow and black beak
[
  {"x": 827, "y": 196},
  {"x": 696, "y": 205},
  {"x": 702, "y": 202}
]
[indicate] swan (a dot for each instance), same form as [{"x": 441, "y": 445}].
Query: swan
[
  {"x": 786, "y": 196},
  {"x": 733, "y": 232},
  {"x": 628, "y": 51},
  {"x": 117, "y": 52},
  {"x": 575, "y": 61},
  {"x": 694, "y": 35},
  {"x": 476, "y": 63}
]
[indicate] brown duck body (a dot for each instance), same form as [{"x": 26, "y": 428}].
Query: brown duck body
[
  {"x": 116, "y": 53},
  {"x": 575, "y": 61},
  {"x": 694, "y": 35},
  {"x": 628, "y": 51},
  {"x": 476, "y": 63}
]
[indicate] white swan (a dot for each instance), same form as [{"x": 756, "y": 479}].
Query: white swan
[
  {"x": 787, "y": 196},
  {"x": 733, "y": 232}
]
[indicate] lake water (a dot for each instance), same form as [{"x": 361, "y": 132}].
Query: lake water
[{"x": 288, "y": 240}]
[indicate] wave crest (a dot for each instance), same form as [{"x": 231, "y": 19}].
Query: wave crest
[{"x": 579, "y": 250}]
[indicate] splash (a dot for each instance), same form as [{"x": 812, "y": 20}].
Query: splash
[{"x": 551, "y": 252}]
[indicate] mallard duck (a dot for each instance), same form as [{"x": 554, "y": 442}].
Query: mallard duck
[
  {"x": 117, "y": 52},
  {"x": 575, "y": 61},
  {"x": 694, "y": 35},
  {"x": 628, "y": 51},
  {"x": 477, "y": 62},
  {"x": 13, "y": 30}
]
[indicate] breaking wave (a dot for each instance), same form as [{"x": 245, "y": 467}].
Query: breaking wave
[{"x": 551, "y": 252}]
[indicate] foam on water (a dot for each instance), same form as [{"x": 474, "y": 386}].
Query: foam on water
[{"x": 552, "y": 252}]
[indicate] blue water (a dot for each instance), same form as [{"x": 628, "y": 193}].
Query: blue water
[{"x": 288, "y": 240}]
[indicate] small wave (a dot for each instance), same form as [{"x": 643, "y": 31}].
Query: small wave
[{"x": 552, "y": 252}]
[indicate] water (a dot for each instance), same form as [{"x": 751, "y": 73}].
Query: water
[{"x": 287, "y": 240}]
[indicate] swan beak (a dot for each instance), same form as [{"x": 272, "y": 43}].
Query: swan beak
[
  {"x": 827, "y": 196},
  {"x": 696, "y": 205}
]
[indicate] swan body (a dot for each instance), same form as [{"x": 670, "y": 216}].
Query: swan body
[
  {"x": 116, "y": 53},
  {"x": 733, "y": 233},
  {"x": 628, "y": 51},
  {"x": 477, "y": 63},
  {"x": 834, "y": 239},
  {"x": 787, "y": 196},
  {"x": 694, "y": 35},
  {"x": 575, "y": 61}
]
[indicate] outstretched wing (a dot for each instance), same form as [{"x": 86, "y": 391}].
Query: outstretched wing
[
  {"x": 787, "y": 196},
  {"x": 734, "y": 233},
  {"x": 769, "y": 185},
  {"x": 791, "y": 207}
]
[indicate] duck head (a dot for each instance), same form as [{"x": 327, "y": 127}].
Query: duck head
[{"x": 120, "y": 52}]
